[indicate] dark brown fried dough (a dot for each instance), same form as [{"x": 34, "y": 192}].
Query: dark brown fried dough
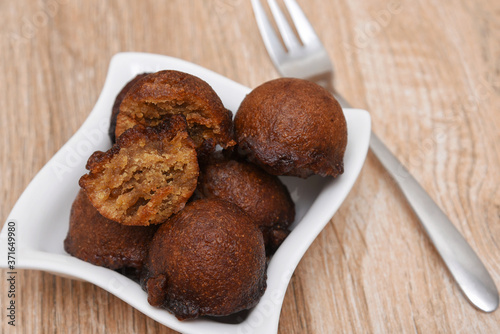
[
  {"x": 103, "y": 242},
  {"x": 292, "y": 127},
  {"x": 172, "y": 92},
  {"x": 148, "y": 175},
  {"x": 209, "y": 259},
  {"x": 262, "y": 196},
  {"x": 118, "y": 101}
]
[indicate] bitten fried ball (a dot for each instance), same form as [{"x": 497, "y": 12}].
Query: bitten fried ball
[
  {"x": 103, "y": 242},
  {"x": 292, "y": 127},
  {"x": 118, "y": 101},
  {"x": 148, "y": 175},
  {"x": 262, "y": 196},
  {"x": 209, "y": 259},
  {"x": 172, "y": 92}
]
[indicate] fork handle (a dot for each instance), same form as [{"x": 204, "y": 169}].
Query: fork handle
[{"x": 460, "y": 259}]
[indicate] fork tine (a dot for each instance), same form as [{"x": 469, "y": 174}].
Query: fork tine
[
  {"x": 302, "y": 24},
  {"x": 291, "y": 42},
  {"x": 271, "y": 40}
]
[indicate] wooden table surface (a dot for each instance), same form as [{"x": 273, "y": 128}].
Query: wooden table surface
[{"x": 429, "y": 73}]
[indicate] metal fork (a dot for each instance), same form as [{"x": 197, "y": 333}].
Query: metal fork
[{"x": 309, "y": 60}]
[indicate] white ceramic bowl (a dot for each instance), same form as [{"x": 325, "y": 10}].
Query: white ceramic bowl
[{"x": 42, "y": 211}]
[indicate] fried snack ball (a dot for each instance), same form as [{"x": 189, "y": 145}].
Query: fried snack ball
[
  {"x": 118, "y": 101},
  {"x": 148, "y": 175},
  {"x": 169, "y": 92},
  {"x": 207, "y": 260},
  {"x": 262, "y": 196},
  {"x": 292, "y": 127},
  {"x": 103, "y": 242}
]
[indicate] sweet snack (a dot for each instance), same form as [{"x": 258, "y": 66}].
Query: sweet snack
[
  {"x": 118, "y": 101},
  {"x": 169, "y": 92},
  {"x": 207, "y": 260},
  {"x": 262, "y": 196},
  {"x": 292, "y": 127},
  {"x": 148, "y": 175},
  {"x": 103, "y": 242}
]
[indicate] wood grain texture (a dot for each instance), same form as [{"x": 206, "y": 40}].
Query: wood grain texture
[{"x": 427, "y": 70}]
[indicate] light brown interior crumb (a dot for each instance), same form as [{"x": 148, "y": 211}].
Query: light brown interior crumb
[
  {"x": 151, "y": 114},
  {"x": 142, "y": 184}
]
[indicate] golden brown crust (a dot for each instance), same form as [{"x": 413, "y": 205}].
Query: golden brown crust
[
  {"x": 118, "y": 101},
  {"x": 262, "y": 196},
  {"x": 292, "y": 127},
  {"x": 103, "y": 242},
  {"x": 173, "y": 92},
  {"x": 148, "y": 175},
  {"x": 208, "y": 259}
]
